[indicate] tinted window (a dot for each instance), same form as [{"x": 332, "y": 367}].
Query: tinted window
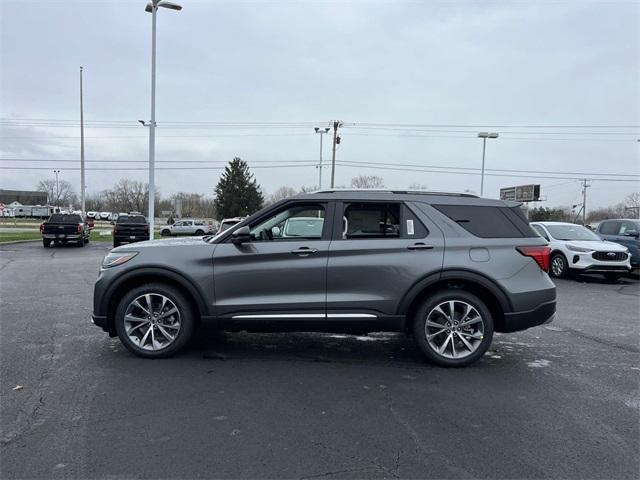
[
  {"x": 371, "y": 220},
  {"x": 489, "y": 222},
  {"x": 609, "y": 228},
  {"x": 65, "y": 218},
  {"x": 131, "y": 219}
]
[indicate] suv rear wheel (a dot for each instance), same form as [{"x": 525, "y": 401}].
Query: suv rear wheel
[
  {"x": 453, "y": 328},
  {"x": 154, "y": 321}
]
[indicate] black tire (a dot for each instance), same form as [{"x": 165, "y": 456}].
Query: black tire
[
  {"x": 46, "y": 242},
  {"x": 165, "y": 233},
  {"x": 187, "y": 320},
  {"x": 116, "y": 244},
  {"x": 199, "y": 233},
  {"x": 86, "y": 240},
  {"x": 80, "y": 242},
  {"x": 559, "y": 267},
  {"x": 484, "y": 338}
]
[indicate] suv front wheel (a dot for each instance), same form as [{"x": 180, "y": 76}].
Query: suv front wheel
[
  {"x": 154, "y": 321},
  {"x": 453, "y": 328}
]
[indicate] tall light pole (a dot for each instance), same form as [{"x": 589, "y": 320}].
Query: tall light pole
[
  {"x": 484, "y": 136},
  {"x": 152, "y": 8},
  {"x": 321, "y": 131},
  {"x": 57, "y": 189},
  {"x": 336, "y": 141},
  {"x": 82, "y": 181}
]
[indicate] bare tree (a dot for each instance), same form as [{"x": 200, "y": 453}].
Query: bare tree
[
  {"x": 127, "y": 196},
  {"x": 194, "y": 205},
  {"x": 418, "y": 186},
  {"x": 367, "y": 181},
  {"x": 60, "y": 194},
  {"x": 280, "y": 194}
]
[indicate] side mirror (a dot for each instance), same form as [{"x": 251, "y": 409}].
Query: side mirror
[{"x": 241, "y": 235}]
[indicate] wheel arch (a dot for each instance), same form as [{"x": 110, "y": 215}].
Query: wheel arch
[
  {"x": 484, "y": 288},
  {"x": 141, "y": 276}
]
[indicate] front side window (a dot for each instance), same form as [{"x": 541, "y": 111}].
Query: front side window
[
  {"x": 628, "y": 228},
  {"x": 297, "y": 222},
  {"x": 371, "y": 220}
]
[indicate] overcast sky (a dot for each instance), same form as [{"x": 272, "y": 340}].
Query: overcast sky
[{"x": 497, "y": 66}]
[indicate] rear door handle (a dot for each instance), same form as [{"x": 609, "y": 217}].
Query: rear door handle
[
  {"x": 420, "y": 246},
  {"x": 304, "y": 251}
]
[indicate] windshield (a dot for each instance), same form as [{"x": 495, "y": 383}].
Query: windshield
[{"x": 572, "y": 232}]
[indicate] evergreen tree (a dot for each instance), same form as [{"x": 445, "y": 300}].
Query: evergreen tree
[{"x": 237, "y": 193}]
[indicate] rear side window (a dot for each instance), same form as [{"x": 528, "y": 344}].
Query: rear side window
[
  {"x": 131, "y": 219},
  {"x": 628, "y": 228},
  {"x": 489, "y": 222},
  {"x": 65, "y": 218},
  {"x": 609, "y": 228}
]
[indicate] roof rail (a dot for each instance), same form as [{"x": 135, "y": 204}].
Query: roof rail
[{"x": 406, "y": 192}]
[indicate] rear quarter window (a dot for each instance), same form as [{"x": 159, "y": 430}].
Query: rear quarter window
[
  {"x": 489, "y": 221},
  {"x": 131, "y": 219},
  {"x": 64, "y": 218}
]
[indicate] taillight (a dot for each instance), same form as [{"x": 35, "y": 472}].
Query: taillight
[
  {"x": 146, "y": 229},
  {"x": 42, "y": 228},
  {"x": 80, "y": 228},
  {"x": 115, "y": 230},
  {"x": 541, "y": 254}
]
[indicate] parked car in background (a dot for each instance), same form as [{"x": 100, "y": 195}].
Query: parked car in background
[
  {"x": 104, "y": 215},
  {"x": 64, "y": 228},
  {"x": 90, "y": 222},
  {"x": 229, "y": 222},
  {"x": 187, "y": 226},
  {"x": 130, "y": 229},
  {"x": 576, "y": 249},
  {"x": 450, "y": 269},
  {"x": 93, "y": 214},
  {"x": 625, "y": 231}
]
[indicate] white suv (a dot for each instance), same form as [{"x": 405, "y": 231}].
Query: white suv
[
  {"x": 187, "y": 226},
  {"x": 575, "y": 248}
]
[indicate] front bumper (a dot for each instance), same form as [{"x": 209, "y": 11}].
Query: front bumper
[
  {"x": 584, "y": 262},
  {"x": 517, "y": 321}
]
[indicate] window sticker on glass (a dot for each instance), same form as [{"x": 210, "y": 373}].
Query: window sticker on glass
[{"x": 410, "y": 227}]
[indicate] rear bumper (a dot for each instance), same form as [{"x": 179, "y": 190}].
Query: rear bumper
[
  {"x": 61, "y": 236},
  {"x": 517, "y": 321},
  {"x": 128, "y": 239}
]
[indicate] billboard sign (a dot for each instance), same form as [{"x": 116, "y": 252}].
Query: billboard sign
[{"x": 521, "y": 193}]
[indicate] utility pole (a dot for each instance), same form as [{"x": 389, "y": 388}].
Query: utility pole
[
  {"x": 57, "y": 190},
  {"x": 336, "y": 141},
  {"x": 321, "y": 131},
  {"x": 484, "y": 136},
  {"x": 584, "y": 201},
  {"x": 82, "y": 181}
]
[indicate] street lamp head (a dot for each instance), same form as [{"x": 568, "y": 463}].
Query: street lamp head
[
  {"x": 487, "y": 135},
  {"x": 142, "y": 122},
  {"x": 162, "y": 3},
  {"x": 493, "y": 135},
  {"x": 316, "y": 129}
]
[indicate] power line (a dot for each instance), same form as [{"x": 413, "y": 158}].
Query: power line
[{"x": 354, "y": 162}]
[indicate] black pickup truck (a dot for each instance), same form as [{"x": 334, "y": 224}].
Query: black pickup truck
[
  {"x": 129, "y": 229},
  {"x": 64, "y": 228}
]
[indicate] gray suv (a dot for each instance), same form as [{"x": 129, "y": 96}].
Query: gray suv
[{"x": 450, "y": 269}]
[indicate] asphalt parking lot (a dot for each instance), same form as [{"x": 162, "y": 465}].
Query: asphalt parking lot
[{"x": 560, "y": 401}]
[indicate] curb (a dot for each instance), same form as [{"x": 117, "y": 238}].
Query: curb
[{"x": 12, "y": 242}]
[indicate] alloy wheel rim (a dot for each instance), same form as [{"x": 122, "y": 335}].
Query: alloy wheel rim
[
  {"x": 454, "y": 329},
  {"x": 152, "y": 321},
  {"x": 557, "y": 266}
]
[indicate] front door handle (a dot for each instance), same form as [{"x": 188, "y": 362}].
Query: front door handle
[
  {"x": 420, "y": 246},
  {"x": 304, "y": 251}
]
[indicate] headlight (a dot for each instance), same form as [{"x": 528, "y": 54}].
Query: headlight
[
  {"x": 115, "y": 259},
  {"x": 575, "y": 248}
]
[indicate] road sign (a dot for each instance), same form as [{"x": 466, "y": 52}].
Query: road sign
[{"x": 521, "y": 193}]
